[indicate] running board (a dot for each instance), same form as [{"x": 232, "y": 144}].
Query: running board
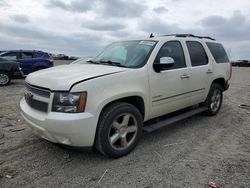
[{"x": 155, "y": 126}]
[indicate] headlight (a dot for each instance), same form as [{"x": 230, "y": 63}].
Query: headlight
[{"x": 69, "y": 102}]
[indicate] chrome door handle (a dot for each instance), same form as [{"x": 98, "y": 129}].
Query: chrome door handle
[
  {"x": 209, "y": 71},
  {"x": 185, "y": 76}
]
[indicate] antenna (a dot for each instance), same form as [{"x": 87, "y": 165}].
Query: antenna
[{"x": 151, "y": 35}]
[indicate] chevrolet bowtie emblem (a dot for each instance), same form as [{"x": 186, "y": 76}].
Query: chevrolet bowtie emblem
[{"x": 28, "y": 95}]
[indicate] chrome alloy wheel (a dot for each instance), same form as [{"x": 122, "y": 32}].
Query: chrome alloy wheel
[
  {"x": 215, "y": 100},
  {"x": 123, "y": 131},
  {"x": 4, "y": 79}
]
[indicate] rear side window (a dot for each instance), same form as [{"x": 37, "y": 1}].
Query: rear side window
[
  {"x": 197, "y": 53},
  {"x": 37, "y": 54},
  {"x": 218, "y": 52},
  {"x": 26, "y": 55}
]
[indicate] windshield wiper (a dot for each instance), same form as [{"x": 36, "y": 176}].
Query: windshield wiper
[
  {"x": 112, "y": 63},
  {"x": 94, "y": 62}
]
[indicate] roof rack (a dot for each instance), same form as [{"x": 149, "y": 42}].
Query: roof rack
[{"x": 185, "y": 35}]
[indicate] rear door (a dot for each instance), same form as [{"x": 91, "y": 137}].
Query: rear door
[
  {"x": 201, "y": 71},
  {"x": 27, "y": 62}
]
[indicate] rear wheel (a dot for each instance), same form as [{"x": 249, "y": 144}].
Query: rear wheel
[
  {"x": 119, "y": 129},
  {"x": 214, "y": 99},
  {"x": 4, "y": 78}
]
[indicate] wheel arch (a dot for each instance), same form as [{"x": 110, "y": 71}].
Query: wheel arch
[
  {"x": 221, "y": 81},
  {"x": 135, "y": 100}
]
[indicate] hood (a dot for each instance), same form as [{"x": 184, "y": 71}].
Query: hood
[{"x": 63, "y": 77}]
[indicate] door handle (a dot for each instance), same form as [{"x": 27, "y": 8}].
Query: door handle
[
  {"x": 185, "y": 76},
  {"x": 209, "y": 71}
]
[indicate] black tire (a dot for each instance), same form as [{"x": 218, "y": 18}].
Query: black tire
[
  {"x": 4, "y": 78},
  {"x": 113, "y": 116},
  {"x": 214, "y": 99}
]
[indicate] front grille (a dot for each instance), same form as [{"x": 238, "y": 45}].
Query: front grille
[
  {"x": 38, "y": 91},
  {"x": 38, "y": 105},
  {"x": 36, "y": 97}
]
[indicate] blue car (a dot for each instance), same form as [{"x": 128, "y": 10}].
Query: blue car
[{"x": 30, "y": 61}]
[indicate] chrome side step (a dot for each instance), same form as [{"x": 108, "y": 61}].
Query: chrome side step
[{"x": 163, "y": 123}]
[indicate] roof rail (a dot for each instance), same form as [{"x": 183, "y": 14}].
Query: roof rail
[{"x": 187, "y": 35}]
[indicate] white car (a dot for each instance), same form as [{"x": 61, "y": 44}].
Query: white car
[{"x": 108, "y": 101}]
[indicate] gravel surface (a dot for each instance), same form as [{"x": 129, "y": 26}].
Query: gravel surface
[{"x": 190, "y": 153}]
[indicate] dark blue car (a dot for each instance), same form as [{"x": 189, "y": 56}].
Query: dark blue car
[{"x": 30, "y": 61}]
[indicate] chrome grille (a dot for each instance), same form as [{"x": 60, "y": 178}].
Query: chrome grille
[
  {"x": 38, "y": 91},
  {"x": 37, "y": 98}
]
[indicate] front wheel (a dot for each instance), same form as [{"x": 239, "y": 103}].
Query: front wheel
[
  {"x": 214, "y": 99},
  {"x": 119, "y": 130},
  {"x": 4, "y": 79}
]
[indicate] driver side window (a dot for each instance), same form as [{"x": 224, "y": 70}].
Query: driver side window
[{"x": 174, "y": 50}]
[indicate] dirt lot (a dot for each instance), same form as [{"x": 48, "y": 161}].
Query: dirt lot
[{"x": 187, "y": 154}]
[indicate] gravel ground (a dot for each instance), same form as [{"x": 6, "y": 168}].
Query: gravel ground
[{"x": 186, "y": 154}]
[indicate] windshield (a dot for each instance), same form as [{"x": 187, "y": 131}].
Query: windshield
[{"x": 131, "y": 54}]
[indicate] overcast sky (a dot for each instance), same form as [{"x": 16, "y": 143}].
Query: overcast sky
[{"x": 83, "y": 27}]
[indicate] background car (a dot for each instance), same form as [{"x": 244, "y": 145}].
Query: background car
[
  {"x": 9, "y": 70},
  {"x": 30, "y": 61},
  {"x": 241, "y": 63}
]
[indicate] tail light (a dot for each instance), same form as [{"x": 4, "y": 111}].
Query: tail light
[{"x": 49, "y": 59}]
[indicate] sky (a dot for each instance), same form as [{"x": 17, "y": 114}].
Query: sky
[{"x": 82, "y": 27}]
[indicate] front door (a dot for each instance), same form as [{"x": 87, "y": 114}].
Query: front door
[{"x": 170, "y": 88}]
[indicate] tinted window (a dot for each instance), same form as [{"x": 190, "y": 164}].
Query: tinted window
[
  {"x": 197, "y": 53},
  {"x": 12, "y": 56},
  {"x": 2, "y": 59},
  {"x": 218, "y": 52},
  {"x": 26, "y": 55},
  {"x": 37, "y": 54},
  {"x": 174, "y": 50}
]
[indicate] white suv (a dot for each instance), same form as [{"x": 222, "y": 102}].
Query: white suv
[{"x": 108, "y": 101}]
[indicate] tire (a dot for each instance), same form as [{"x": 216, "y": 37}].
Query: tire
[
  {"x": 119, "y": 129},
  {"x": 214, "y": 99},
  {"x": 4, "y": 78}
]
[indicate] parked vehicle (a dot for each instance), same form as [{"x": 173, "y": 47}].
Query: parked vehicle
[
  {"x": 9, "y": 70},
  {"x": 30, "y": 61},
  {"x": 241, "y": 63},
  {"x": 129, "y": 87}
]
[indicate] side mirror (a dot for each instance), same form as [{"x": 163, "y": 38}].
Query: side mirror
[
  {"x": 167, "y": 61},
  {"x": 164, "y": 63}
]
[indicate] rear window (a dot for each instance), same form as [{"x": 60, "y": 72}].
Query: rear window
[{"x": 218, "y": 52}]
